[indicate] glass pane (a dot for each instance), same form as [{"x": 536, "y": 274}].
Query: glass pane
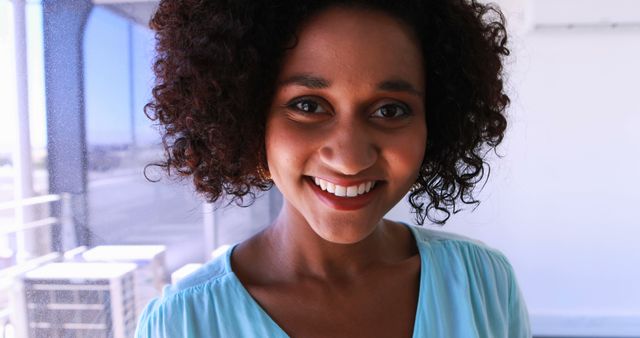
[{"x": 121, "y": 141}]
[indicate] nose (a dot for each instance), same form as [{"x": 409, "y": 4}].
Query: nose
[{"x": 349, "y": 148}]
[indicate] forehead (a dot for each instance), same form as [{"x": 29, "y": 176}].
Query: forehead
[{"x": 356, "y": 44}]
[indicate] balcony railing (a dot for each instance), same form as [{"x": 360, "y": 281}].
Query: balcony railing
[{"x": 18, "y": 238}]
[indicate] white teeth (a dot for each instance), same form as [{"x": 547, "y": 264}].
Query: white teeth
[
  {"x": 342, "y": 191},
  {"x": 352, "y": 191},
  {"x": 331, "y": 187}
]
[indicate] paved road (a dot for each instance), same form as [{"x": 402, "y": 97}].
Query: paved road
[{"x": 127, "y": 209}]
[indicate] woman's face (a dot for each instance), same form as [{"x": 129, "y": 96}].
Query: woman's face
[{"x": 348, "y": 111}]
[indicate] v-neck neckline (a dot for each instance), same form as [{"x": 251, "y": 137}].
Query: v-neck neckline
[{"x": 281, "y": 332}]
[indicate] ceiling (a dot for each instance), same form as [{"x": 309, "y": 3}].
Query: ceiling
[
  {"x": 139, "y": 11},
  {"x": 523, "y": 14}
]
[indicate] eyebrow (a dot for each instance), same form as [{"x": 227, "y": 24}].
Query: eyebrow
[
  {"x": 398, "y": 85},
  {"x": 306, "y": 80},
  {"x": 316, "y": 82}
]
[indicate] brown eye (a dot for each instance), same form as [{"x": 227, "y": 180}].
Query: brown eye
[
  {"x": 390, "y": 111},
  {"x": 307, "y": 106}
]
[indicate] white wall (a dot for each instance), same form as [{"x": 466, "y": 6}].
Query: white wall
[{"x": 563, "y": 203}]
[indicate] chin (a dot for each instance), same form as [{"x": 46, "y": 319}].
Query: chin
[{"x": 343, "y": 233}]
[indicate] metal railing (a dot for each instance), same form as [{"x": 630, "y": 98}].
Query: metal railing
[{"x": 16, "y": 228}]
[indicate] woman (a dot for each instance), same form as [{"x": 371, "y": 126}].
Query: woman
[{"x": 346, "y": 106}]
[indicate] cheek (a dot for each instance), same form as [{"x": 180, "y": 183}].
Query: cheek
[
  {"x": 287, "y": 148},
  {"x": 405, "y": 153}
]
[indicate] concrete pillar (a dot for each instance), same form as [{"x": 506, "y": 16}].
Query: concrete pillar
[{"x": 63, "y": 23}]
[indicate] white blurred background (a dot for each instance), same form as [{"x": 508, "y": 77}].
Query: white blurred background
[{"x": 561, "y": 203}]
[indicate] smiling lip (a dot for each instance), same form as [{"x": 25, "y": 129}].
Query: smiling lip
[{"x": 343, "y": 203}]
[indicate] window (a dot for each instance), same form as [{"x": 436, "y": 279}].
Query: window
[{"x": 87, "y": 211}]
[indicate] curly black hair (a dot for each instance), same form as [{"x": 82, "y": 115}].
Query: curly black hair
[{"x": 216, "y": 57}]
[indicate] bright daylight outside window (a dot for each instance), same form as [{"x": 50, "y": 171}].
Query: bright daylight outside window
[{"x": 85, "y": 240}]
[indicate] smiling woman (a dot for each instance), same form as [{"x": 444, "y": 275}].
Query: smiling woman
[
  {"x": 346, "y": 106},
  {"x": 348, "y": 112}
]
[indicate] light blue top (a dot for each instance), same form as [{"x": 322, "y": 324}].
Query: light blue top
[{"x": 466, "y": 290}]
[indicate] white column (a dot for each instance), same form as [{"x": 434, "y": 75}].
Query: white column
[
  {"x": 23, "y": 180},
  {"x": 210, "y": 230}
]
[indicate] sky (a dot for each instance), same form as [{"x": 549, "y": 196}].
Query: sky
[{"x": 111, "y": 91}]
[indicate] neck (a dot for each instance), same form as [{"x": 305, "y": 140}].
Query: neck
[{"x": 299, "y": 252}]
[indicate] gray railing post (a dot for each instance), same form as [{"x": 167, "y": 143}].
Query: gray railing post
[{"x": 68, "y": 238}]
